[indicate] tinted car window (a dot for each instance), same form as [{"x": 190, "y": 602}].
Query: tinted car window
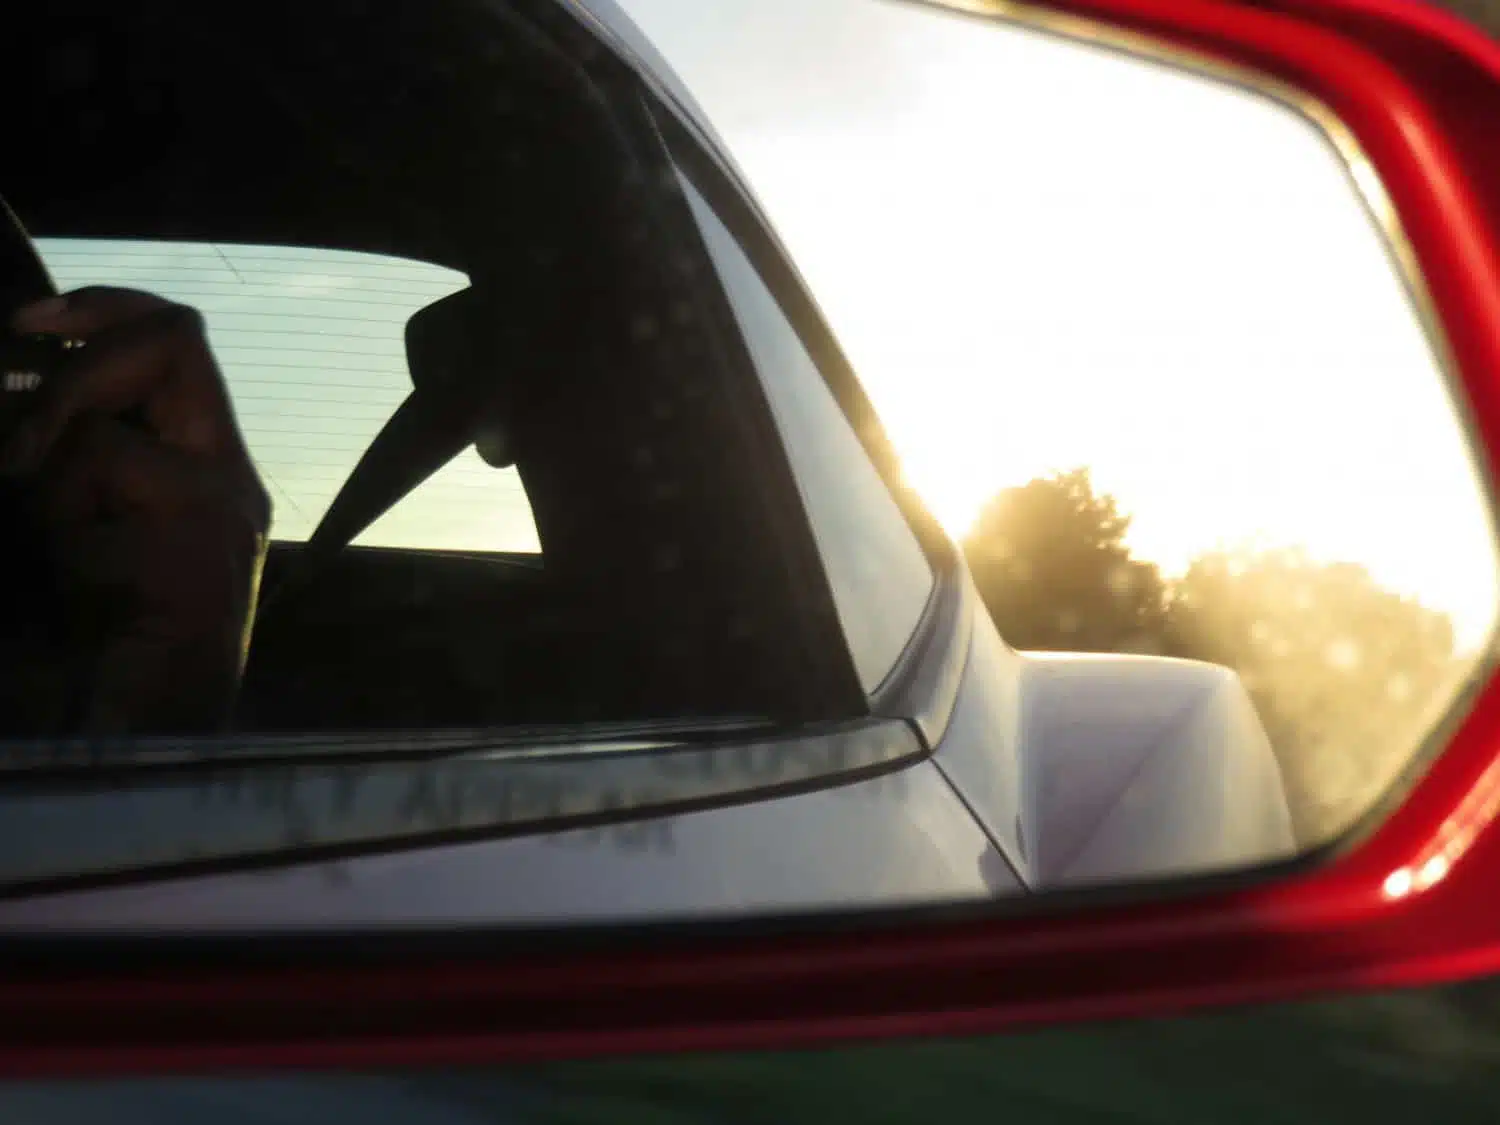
[
  {"x": 452, "y": 216},
  {"x": 880, "y": 576}
]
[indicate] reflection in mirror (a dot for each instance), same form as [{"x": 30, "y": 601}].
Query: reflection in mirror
[
  {"x": 594, "y": 590},
  {"x": 1143, "y": 348}
]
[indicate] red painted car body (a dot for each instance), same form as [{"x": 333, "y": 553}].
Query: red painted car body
[{"x": 1408, "y": 900}]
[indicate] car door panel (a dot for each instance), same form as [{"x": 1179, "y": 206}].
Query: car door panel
[{"x": 903, "y": 838}]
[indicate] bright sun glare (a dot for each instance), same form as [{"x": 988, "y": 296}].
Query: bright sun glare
[{"x": 1041, "y": 256}]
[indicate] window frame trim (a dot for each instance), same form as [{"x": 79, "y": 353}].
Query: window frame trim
[
  {"x": 831, "y": 689},
  {"x": 921, "y": 686}
]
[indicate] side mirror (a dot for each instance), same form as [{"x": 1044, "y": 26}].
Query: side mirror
[
  {"x": 445, "y": 345},
  {"x": 487, "y": 936},
  {"x": 455, "y": 402}
]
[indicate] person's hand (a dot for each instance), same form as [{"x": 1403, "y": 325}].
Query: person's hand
[{"x": 154, "y": 517}]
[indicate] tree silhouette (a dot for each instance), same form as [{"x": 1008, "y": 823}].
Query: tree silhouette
[
  {"x": 1347, "y": 676},
  {"x": 1050, "y": 561}
]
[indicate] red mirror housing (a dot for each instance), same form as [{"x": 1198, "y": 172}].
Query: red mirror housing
[{"x": 1408, "y": 900}]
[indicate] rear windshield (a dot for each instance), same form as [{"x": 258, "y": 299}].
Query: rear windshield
[{"x": 311, "y": 343}]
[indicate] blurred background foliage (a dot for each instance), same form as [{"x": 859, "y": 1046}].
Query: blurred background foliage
[
  {"x": 1486, "y": 13},
  {"x": 1348, "y": 677}
]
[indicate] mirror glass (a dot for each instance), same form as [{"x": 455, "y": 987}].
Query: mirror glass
[
  {"x": 1145, "y": 349},
  {"x": 628, "y": 466}
]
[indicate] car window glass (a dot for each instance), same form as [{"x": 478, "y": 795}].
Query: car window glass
[
  {"x": 880, "y": 577},
  {"x": 311, "y": 344},
  {"x": 456, "y": 326}
]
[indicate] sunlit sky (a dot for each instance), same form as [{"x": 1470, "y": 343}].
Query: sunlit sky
[{"x": 1040, "y": 255}]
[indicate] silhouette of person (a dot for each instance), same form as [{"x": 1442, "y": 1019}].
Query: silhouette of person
[{"x": 146, "y": 520}]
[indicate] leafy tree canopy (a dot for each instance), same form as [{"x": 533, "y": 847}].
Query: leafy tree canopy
[{"x": 1348, "y": 677}]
